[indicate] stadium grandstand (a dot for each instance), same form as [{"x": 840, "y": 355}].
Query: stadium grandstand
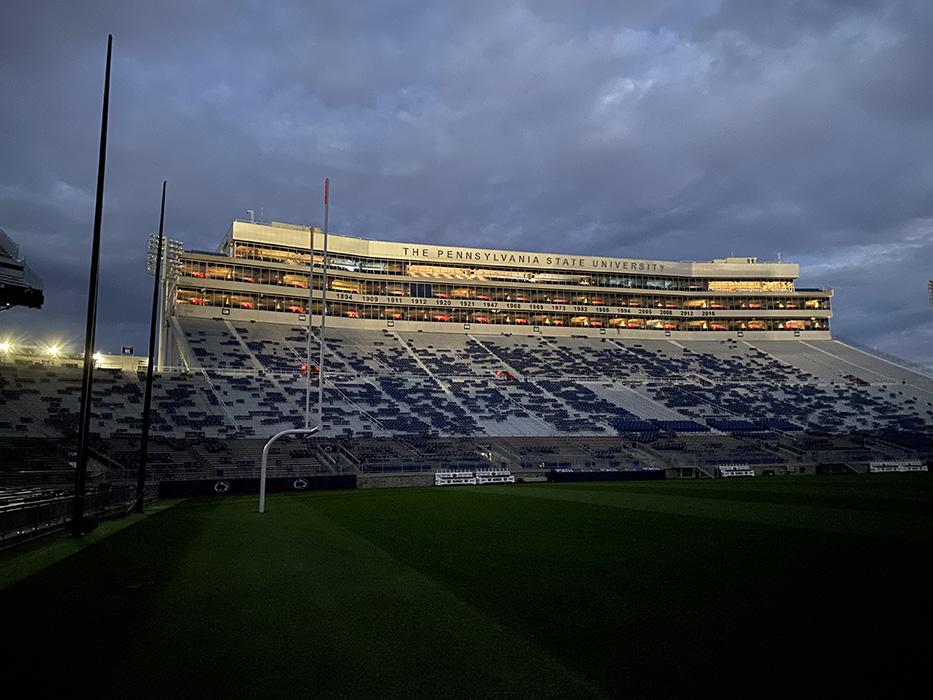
[
  {"x": 19, "y": 285},
  {"x": 453, "y": 359}
]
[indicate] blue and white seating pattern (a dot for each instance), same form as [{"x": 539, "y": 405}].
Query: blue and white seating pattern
[{"x": 246, "y": 379}]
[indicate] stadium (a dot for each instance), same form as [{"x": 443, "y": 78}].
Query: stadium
[
  {"x": 354, "y": 467},
  {"x": 514, "y": 382},
  {"x": 448, "y": 359}
]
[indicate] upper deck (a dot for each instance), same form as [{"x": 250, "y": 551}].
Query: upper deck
[
  {"x": 296, "y": 238},
  {"x": 267, "y": 271}
]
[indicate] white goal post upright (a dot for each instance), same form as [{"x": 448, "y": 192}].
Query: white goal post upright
[
  {"x": 308, "y": 429},
  {"x": 326, "y": 260},
  {"x": 308, "y": 329},
  {"x": 265, "y": 459}
]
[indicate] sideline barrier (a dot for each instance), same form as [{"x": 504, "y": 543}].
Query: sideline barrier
[
  {"x": 454, "y": 478},
  {"x": 213, "y": 487},
  {"x": 726, "y": 471},
  {"x": 900, "y": 466},
  {"x": 34, "y": 516},
  {"x": 473, "y": 477},
  {"x": 494, "y": 476},
  {"x": 570, "y": 475}
]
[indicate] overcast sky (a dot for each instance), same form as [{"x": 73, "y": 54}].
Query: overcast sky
[{"x": 677, "y": 130}]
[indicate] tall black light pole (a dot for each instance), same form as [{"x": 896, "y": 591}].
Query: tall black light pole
[
  {"x": 147, "y": 400},
  {"x": 77, "y": 513}
]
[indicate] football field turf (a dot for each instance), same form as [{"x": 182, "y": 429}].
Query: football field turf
[{"x": 640, "y": 589}]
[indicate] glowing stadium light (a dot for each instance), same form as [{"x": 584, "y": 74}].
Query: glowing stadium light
[
  {"x": 54, "y": 350},
  {"x": 168, "y": 276},
  {"x": 171, "y": 258},
  {"x": 98, "y": 357},
  {"x": 6, "y": 346}
]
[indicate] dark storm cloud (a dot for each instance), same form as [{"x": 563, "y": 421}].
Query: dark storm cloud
[{"x": 676, "y": 130}]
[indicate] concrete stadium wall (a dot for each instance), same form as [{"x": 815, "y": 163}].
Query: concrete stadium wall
[{"x": 383, "y": 481}]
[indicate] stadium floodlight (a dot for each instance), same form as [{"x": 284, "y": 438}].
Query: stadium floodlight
[
  {"x": 169, "y": 261},
  {"x": 6, "y": 346},
  {"x": 172, "y": 254},
  {"x": 98, "y": 357},
  {"x": 53, "y": 350}
]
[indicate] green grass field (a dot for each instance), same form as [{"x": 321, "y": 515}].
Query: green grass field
[{"x": 749, "y": 587}]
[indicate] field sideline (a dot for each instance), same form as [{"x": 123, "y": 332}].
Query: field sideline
[{"x": 642, "y": 589}]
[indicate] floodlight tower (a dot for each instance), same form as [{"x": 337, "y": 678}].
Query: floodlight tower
[{"x": 171, "y": 266}]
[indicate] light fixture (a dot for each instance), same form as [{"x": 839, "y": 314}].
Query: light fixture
[
  {"x": 6, "y": 346},
  {"x": 54, "y": 350},
  {"x": 98, "y": 357}
]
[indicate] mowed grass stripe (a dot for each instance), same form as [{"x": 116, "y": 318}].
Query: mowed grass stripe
[
  {"x": 843, "y": 520},
  {"x": 909, "y": 493},
  {"x": 895, "y": 503},
  {"x": 918, "y": 485},
  {"x": 289, "y": 603},
  {"x": 653, "y": 603}
]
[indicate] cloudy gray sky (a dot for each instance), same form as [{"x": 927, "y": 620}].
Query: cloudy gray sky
[{"x": 676, "y": 130}]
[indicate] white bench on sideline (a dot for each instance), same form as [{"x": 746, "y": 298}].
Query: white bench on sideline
[
  {"x": 454, "y": 478},
  {"x": 905, "y": 465},
  {"x": 727, "y": 471},
  {"x": 480, "y": 476},
  {"x": 494, "y": 476}
]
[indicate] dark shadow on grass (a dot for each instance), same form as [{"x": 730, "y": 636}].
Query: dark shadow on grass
[{"x": 72, "y": 622}]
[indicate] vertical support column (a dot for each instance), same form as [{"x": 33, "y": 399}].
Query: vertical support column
[
  {"x": 87, "y": 381},
  {"x": 147, "y": 399}
]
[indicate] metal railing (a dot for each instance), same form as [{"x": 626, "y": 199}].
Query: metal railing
[
  {"x": 36, "y": 516},
  {"x": 888, "y": 357}
]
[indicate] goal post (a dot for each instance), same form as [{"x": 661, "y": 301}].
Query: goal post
[{"x": 265, "y": 459}]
